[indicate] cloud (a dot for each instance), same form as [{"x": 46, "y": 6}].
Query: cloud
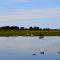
[
  {"x": 13, "y": 1},
  {"x": 19, "y": 1},
  {"x": 31, "y": 14},
  {"x": 22, "y": 0}
]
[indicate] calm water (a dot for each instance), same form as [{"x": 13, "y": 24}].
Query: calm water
[{"x": 23, "y": 48}]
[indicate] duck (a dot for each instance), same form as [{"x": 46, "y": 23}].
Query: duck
[
  {"x": 58, "y": 52},
  {"x": 42, "y": 52},
  {"x": 34, "y": 54}
]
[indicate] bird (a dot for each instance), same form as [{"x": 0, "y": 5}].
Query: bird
[
  {"x": 34, "y": 54},
  {"x": 58, "y": 52},
  {"x": 42, "y": 52}
]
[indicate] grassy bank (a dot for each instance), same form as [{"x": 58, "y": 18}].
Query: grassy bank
[{"x": 29, "y": 33}]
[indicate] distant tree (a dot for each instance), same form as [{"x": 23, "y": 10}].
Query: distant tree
[
  {"x": 9, "y": 28},
  {"x": 46, "y": 29},
  {"x": 36, "y": 28},
  {"x": 22, "y": 28},
  {"x": 14, "y": 28},
  {"x": 30, "y": 28},
  {"x": 5, "y": 28}
]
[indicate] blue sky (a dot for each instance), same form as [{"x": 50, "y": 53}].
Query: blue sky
[{"x": 43, "y": 13}]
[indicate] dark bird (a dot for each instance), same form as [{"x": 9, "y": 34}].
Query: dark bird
[
  {"x": 41, "y": 52},
  {"x": 58, "y": 52},
  {"x": 34, "y": 54}
]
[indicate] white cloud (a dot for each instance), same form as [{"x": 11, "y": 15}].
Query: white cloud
[
  {"x": 22, "y": 0},
  {"x": 13, "y": 1},
  {"x": 31, "y": 14}
]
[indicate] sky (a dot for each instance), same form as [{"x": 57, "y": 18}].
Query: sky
[{"x": 42, "y": 13}]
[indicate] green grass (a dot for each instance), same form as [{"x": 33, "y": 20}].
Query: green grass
[{"x": 25, "y": 32}]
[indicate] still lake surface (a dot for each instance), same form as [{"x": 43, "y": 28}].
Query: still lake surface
[{"x": 23, "y": 48}]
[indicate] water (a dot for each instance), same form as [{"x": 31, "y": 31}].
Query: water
[{"x": 24, "y": 48}]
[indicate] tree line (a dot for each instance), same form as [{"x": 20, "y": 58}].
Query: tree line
[{"x": 23, "y": 28}]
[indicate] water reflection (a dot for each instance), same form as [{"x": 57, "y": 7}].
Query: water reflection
[
  {"x": 15, "y": 48},
  {"x": 50, "y": 43}
]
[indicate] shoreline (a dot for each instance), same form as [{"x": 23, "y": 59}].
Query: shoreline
[{"x": 29, "y": 33}]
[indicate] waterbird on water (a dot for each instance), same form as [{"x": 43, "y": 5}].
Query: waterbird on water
[
  {"x": 34, "y": 54},
  {"x": 42, "y": 52},
  {"x": 58, "y": 52}
]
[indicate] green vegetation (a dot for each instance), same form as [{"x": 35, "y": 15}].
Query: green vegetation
[{"x": 36, "y": 31}]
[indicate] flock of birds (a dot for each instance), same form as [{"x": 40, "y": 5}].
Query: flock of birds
[
  {"x": 40, "y": 53},
  {"x": 43, "y": 53}
]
